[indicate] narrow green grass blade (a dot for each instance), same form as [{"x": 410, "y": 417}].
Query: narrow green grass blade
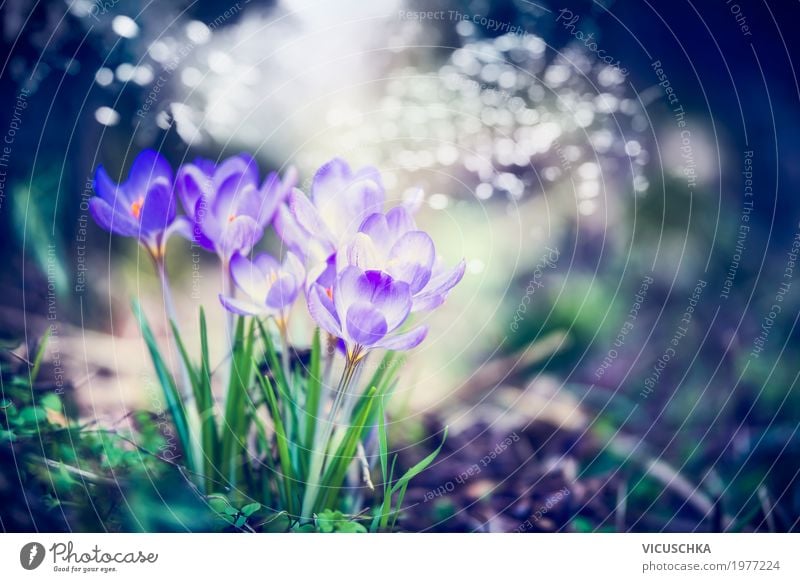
[
  {"x": 205, "y": 410},
  {"x": 289, "y": 412},
  {"x": 385, "y": 377},
  {"x": 383, "y": 443},
  {"x": 334, "y": 475},
  {"x": 402, "y": 482},
  {"x": 381, "y": 518},
  {"x": 193, "y": 376},
  {"x": 265, "y": 449},
  {"x": 174, "y": 403},
  {"x": 313, "y": 390},
  {"x": 400, "y": 496},
  {"x": 236, "y": 418},
  {"x": 384, "y": 368},
  {"x": 272, "y": 356},
  {"x": 282, "y": 442}
]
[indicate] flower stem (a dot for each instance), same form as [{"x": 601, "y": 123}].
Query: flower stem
[
  {"x": 227, "y": 291},
  {"x": 169, "y": 306}
]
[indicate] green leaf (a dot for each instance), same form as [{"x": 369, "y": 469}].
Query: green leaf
[
  {"x": 382, "y": 518},
  {"x": 283, "y": 444},
  {"x": 31, "y": 415},
  {"x": 250, "y": 509},
  {"x": 236, "y": 426},
  {"x": 272, "y": 356},
  {"x": 403, "y": 481},
  {"x": 218, "y": 503},
  {"x": 329, "y": 521},
  {"x": 313, "y": 390},
  {"x": 51, "y": 401},
  {"x": 194, "y": 378},
  {"x": 337, "y": 469},
  {"x": 384, "y": 381},
  {"x": 173, "y": 399},
  {"x": 350, "y": 527}
]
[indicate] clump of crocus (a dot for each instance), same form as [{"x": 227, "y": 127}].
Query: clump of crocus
[
  {"x": 363, "y": 275},
  {"x": 141, "y": 207}
]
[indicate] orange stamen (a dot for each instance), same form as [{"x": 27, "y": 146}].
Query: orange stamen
[
  {"x": 329, "y": 292},
  {"x": 231, "y": 217},
  {"x": 136, "y": 207}
]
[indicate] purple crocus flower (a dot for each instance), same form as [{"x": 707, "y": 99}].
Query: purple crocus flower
[
  {"x": 392, "y": 243},
  {"x": 142, "y": 206},
  {"x": 269, "y": 287},
  {"x": 366, "y": 310},
  {"x": 340, "y": 200},
  {"x": 227, "y": 206}
]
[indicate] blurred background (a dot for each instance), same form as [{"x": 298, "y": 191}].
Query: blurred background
[{"x": 619, "y": 176}]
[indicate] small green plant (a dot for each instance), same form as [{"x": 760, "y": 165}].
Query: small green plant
[{"x": 69, "y": 475}]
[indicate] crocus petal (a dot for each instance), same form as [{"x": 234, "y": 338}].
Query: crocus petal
[
  {"x": 392, "y": 298},
  {"x": 243, "y": 167},
  {"x": 117, "y": 222},
  {"x": 309, "y": 219},
  {"x": 225, "y": 203},
  {"x": 249, "y": 278},
  {"x": 196, "y": 233},
  {"x": 400, "y": 221},
  {"x": 329, "y": 181},
  {"x": 273, "y": 193},
  {"x": 351, "y": 286},
  {"x": 343, "y": 198},
  {"x": 239, "y": 235},
  {"x": 370, "y": 173},
  {"x": 404, "y": 341},
  {"x": 267, "y": 264},
  {"x": 323, "y": 273},
  {"x": 365, "y": 324},
  {"x": 289, "y": 231},
  {"x": 208, "y": 167},
  {"x": 294, "y": 267},
  {"x": 345, "y": 216},
  {"x": 148, "y": 167},
  {"x": 321, "y": 309},
  {"x": 359, "y": 252},
  {"x": 411, "y": 259},
  {"x": 283, "y": 292},
  {"x": 106, "y": 188},
  {"x": 436, "y": 290},
  {"x": 241, "y": 307},
  {"x": 249, "y": 202},
  {"x": 192, "y": 184},
  {"x": 376, "y": 227},
  {"x": 158, "y": 210}
]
